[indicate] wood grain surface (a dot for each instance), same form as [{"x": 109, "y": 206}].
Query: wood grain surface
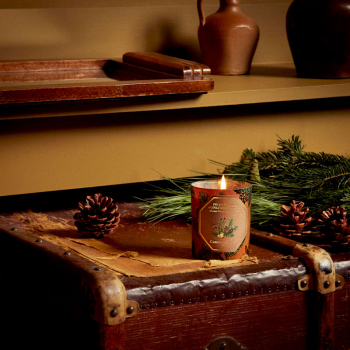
[{"x": 74, "y": 80}]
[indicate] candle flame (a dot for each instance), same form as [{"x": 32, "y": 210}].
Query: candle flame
[{"x": 223, "y": 183}]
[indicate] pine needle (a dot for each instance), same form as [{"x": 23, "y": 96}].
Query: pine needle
[{"x": 320, "y": 180}]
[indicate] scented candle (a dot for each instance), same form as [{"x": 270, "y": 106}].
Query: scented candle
[{"x": 220, "y": 219}]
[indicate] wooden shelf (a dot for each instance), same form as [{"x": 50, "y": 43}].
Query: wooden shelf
[{"x": 265, "y": 83}]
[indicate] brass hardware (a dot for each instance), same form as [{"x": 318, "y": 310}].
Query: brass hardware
[
  {"x": 225, "y": 343},
  {"x": 114, "y": 313},
  {"x": 107, "y": 298},
  {"x": 290, "y": 257},
  {"x": 303, "y": 283},
  {"x": 130, "y": 310},
  {"x": 322, "y": 277}
]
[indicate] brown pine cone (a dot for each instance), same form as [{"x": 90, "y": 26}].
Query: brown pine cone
[
  {"x": 339, "y": 234},
  {"x": 335, "y": 228},
  {"x": 97, "y": 217},
  {"x": 294, "y": 221},
  {"x": 328, "y": 216}
]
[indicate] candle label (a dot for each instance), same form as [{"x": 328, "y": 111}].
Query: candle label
[{"x": 222, "y": 223}]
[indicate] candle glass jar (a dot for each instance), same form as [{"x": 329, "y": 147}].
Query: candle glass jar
[{"x": 220, "y": 219}]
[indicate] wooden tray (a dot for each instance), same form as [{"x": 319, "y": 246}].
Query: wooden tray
[{"x": 65, "y": 80}]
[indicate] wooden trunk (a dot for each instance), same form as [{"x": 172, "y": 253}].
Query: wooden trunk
[{"x": 59, "y": 295}]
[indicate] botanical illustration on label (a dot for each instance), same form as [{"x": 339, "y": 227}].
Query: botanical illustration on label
[
  {"x": 222, "y": 228},
  {"x": 223, "y": 223}
]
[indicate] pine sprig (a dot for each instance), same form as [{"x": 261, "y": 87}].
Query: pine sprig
[{"x": 320, "y": 180}]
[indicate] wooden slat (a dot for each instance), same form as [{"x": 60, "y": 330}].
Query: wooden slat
[{"x": 166, "y": 63}]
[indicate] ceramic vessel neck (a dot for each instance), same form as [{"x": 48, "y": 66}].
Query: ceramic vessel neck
[{"x": 225, "y": 3}]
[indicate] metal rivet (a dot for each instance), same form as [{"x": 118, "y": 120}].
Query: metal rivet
[
  {"x": 239, "y": 293},
  {"x": 306, "y": 245},
  {"x": 285, "y": 287},
  {"x": 261, "y": 290},
  {"x": 163, "y": 303},
  {"x": 269, "y": 234},
  {"x": 98, "y": 269},
  {"x": 270, "y": 290},
  {"x": 189, "y": 301},
  {"x": 13, "y": 229},
  {"x": 223, "y": 296},
  {"x": 172, "y": 302},
  {"x": 66, "y": 253},
  {"x": 327, "y": 284},
  {"x": 214, "y": 296},
  {"x": 148, "y": 306},
  {"x": 337, "y": 283},
  {"x": 223, "y": 346},
  {"x": 303, "y": 283},
  {"x": 156, "y": 304},
  {"x": 39, "y": 240},
  {"x": 277, "y": 288},
  {"x": 198, "y": 299},
  {"x": 130, "y": 310},
  {"x": 246, "y": 292},
  {"x": 181, "y": 302},
  {"x": 231, "y": 294},
  {"x": 114, "y": 313},
  {"x": 254, "y": 291},
  {"x": 206, "y": 297}
]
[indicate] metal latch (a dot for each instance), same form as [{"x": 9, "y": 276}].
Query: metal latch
[
  {"x": 322, "y": 277},
  {"x": 225, "y": 343}
]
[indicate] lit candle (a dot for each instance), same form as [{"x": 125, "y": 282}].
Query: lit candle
[
  {"x": 220, "y": 219},
  {"x": 223, "y": 183}
]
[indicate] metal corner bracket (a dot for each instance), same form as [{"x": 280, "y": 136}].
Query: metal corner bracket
[
  {"x": 107, "y": 301},
  {"x": 322, "y": 277}
]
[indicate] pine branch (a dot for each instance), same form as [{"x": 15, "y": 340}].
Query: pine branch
[
  {"x": 335, "y": 175},
  {"x": 320, "y": 180}
]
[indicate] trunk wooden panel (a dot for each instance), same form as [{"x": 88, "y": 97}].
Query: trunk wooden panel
[
  {"x": 284, "y": 320},
  {"x": 254, "y": 321}
]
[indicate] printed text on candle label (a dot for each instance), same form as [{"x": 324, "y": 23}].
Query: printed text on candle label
[{"x": 221, "y": 207}]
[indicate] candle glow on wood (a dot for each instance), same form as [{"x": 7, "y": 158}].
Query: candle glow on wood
[{"x": 223, "y": 183}]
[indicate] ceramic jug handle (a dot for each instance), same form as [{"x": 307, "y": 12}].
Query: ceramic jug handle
[{"x": 200, "y": 12}]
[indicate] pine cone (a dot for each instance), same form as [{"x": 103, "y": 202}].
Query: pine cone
[
  {"x": 328, "y": 216},
  {"x": 97, "y": 217},
  {"x": 295, "y": 222},
  {"x": 339, "y": 234},
  {"x": 335, "y": 227}
]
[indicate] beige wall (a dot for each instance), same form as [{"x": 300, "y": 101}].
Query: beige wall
[
  {"x": 44, "y": 154},
  {"x": 107, "y": 29},
  {"x": 61, "y": 153}
]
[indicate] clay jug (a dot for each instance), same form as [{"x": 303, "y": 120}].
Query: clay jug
[
  {"x": 319, "y": 37},
  {"x": 227, "y": 38}
]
